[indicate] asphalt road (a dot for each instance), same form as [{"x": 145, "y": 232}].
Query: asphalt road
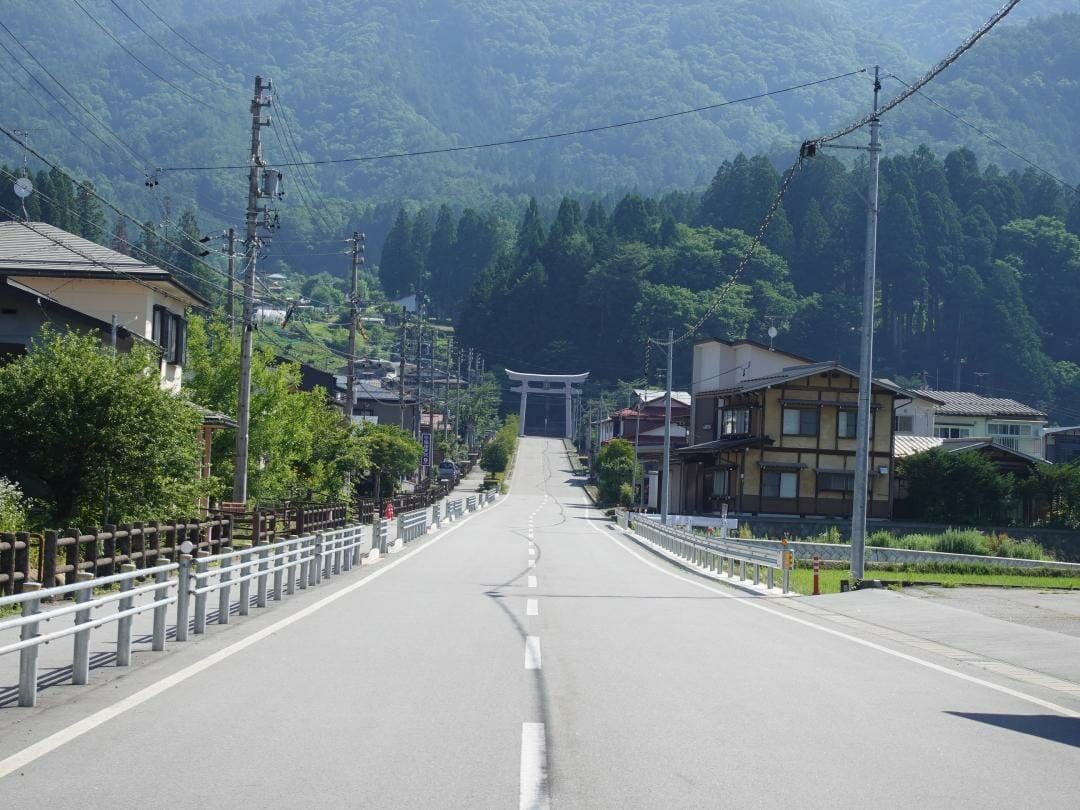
[{"x": 484, "y": 671}]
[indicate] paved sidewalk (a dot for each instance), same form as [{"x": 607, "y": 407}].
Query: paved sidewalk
[
  {"x": 1005, "y": 647},
  {"x": 1057, "y": 611}
]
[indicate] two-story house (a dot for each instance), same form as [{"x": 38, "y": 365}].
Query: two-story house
[
  {"x": 642, "y": 424},
  {"x": 965, "y": 415},
  {"x": 48, "y": 272},
  {"x": 774, "y": 433}
]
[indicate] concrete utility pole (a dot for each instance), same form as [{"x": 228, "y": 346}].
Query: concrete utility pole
[
  {"x": 665, "y": 491},
  {"x": 862, "y": 479},
  {"x": 446, "y": 401},
  {"x": 401, "y": 366},
  {"x": 260, "y": 100},
  {"x": 354, "y": 314},
  {"x": 230, "y": 235}
]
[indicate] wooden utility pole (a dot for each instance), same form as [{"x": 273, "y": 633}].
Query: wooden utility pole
[{"x": 260, "y": 100}]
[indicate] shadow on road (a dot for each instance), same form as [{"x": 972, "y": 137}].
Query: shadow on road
[{"x": 1065, "y": 730}]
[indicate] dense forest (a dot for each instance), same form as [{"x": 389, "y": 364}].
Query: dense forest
[
  {"x": 979, "y": 274},
  {"x": 370, "y": 78}
]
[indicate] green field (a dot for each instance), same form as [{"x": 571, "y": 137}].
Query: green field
[{"x": 802, "y": 580}]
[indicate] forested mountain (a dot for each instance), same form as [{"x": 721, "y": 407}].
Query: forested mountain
[
  {"x": 370, "y": 78},
  {"x": 979, "y": 274}
]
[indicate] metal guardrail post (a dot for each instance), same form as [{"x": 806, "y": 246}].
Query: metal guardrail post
[
  {"x": 201, "y": 567},
  {"x": 742, "y": 570},
  {"x": 245, "y": 583},
  {"x": 327, "y": 559},
  {"x": 339, "y": 554},
  {"x": 80, "y": 665},
  {"x": 279, "y": 574},
  {"x": 305, "y": 561},
  {"x": 224, "y": 589},
  {"x": 123, "y": 626},
  {"x": 769, "y": 577},
  {"x": 315, "y": 568},
  {"x": 28, "y": 656},
  {"x": 295, "y": 549},
  {"x": 183, "y": 595},
  {"x": 787, "y": 580},
  {"x": 347, "y": 553},
  {"x": 260, "y": 592},
  {"x": 356, "y": 548},
  {"x": 157, "y": 642}
]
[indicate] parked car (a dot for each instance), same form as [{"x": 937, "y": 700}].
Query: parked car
[{"x": 447, "y": 470}]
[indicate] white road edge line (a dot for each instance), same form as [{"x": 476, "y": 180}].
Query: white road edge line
[
  {"x": 532, "y": 607},
  {"x": 532, "y": 582},
  {"x": 751, "y": 603},
  {"x": 532, "y": 653},
  {"x": 21, "y": 759},
  {"x": 535, "y": 792}
]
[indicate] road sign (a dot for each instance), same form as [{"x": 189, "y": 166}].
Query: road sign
[{"x": 425, "y": 442}]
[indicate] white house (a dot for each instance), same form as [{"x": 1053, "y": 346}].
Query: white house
[{"x": 965, "y": 415}]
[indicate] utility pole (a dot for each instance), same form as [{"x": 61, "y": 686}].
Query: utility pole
[
  {"x": 112, "y": 333},
  {"x": 231, "y": 236},
  {"x": 457, "y": 386},
  {"x": 665, "y": 491},
  {"x": 401, "y": 366},
  {"x": 260, "y": 100},
  {"x": 354, "y": 314},
  {"x": 866, "y": 356},
  {"x": 446, "y": 401},
  {"x": 431, "y": 404}
]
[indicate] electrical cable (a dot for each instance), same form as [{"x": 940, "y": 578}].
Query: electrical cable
[
  {"x": 533, "y": 138},
  {"x": 119, "y": 273},
  {"x": 154, "y": 39},
  {"x": 73, "y": 130},
  {"x": 178, "y": 35},
  {"x": 305, "y": 173},
  {"x": 142, "y": 162},
  {"x": 987, "y": 135},
  {"x": 925, "y": 79},
  {"x": 145, "y": 66}
]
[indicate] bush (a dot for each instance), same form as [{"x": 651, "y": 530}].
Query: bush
[
  {"x": 626, "y": 495},
  {"x": 615, "y": 465},
  {"x": 497, "y": 453},
  {"x": 14, "y": 508}
]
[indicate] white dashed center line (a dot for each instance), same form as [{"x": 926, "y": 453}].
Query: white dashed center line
[
  {"x": 532, "y": 608},
  {"x": 535, "y": 792},
  {"x": 532, "y": 582},
  {"x": 532, "y": 652}
]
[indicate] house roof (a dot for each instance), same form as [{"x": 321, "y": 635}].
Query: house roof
[
  {"x": 38, "y": 249},
  {"x": 1050, "y": 431},
  {"x": 965, "y": 403},
  {"x": 719, "y": 445},
  {"x": 799, "y": 372},
  {"x": 647, "y": 395},
  {"x": 213, "y": 418},
  {"x": 904, "y": 446}
]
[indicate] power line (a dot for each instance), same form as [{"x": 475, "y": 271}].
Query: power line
[
  {"x": 987, "y": 135},
  {"x": 138, "y": 158},
  {"x": 533, "y": 138},
  {"x": 73, "y": 130},
  {"x": 303, "y": 170},
  {"x": 810, "y": 146},
  {"x": 145, "y": 66},
  {"x": 179, "y": 36},
  {"x": 172, "y": 55}
]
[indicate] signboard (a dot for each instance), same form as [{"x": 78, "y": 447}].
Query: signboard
[{"x": 425, "y": 442}]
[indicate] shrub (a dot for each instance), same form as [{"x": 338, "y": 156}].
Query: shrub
[
  {"x": 881, "y": 539},
  {"x": 615, "y": 465},
  {"x": 626, "y": 495},
  {"x": 962, "y": 542},
  {"x": 14, "y": 508}
]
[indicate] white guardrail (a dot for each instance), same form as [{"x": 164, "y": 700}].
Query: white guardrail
[
  {"x": 717, "y": 556},
  {"x": 296, "y": 562}
]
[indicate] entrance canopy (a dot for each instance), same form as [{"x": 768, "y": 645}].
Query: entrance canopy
[{"x": 547, "y": 421}]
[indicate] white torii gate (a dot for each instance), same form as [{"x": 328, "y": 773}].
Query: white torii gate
[{"x": 547, "y": 384}]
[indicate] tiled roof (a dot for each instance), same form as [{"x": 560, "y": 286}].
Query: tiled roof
[
  {"x": 797, "y": 373},
  {"x": 38, "y": 249},
  {"x": 965, "y": 403},
  {"x": 648, "y": 395}
]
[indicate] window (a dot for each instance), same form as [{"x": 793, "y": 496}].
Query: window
[
  {"x": 177, "y": 348},
  {"x": 721, "y": 484},
  {"x": 904, "y": 424},
  {"x": 801, "y": 421},
  {"x": 947, "y": 432},
  {"x": 160, "y": 333},
  {"x": 734, "y": 421},
  {"x": 775, "y": 484},
  {"x": 836, "y": 481},
  {"x": 1008, "y": 430},
  {"x": 846, "y": 422}
]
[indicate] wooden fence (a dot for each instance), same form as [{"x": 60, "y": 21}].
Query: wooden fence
[{"x": 56, "y": 557}]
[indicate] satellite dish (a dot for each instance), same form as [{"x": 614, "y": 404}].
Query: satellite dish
[
  {"x": 23, "y": 188},
  {"x": 773, "y": 332}
]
